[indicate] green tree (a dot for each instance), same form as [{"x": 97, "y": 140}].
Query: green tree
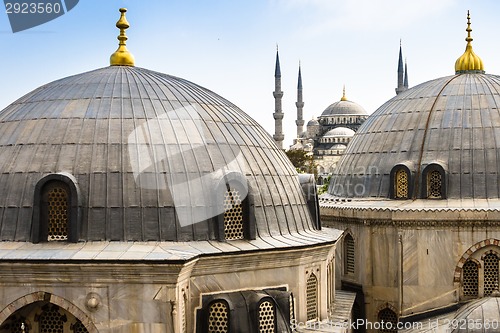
[{"x": 302, "y": 160}]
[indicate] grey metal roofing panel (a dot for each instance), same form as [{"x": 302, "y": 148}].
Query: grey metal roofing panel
[{"x": 462, "y": 133}]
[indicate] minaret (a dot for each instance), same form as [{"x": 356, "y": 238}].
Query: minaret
[
  {"x": 400, "y": 88},
  {"x": 278, "y": 113},
  {"x": 405, "y": 84},
  {"x": 300, "y": 105}
]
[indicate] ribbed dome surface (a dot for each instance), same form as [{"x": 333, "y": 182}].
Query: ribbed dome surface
[
  {"x": 344, "y": 108},
  {"x": 485, "y": 312},
  {"x": 452, "y": 121},
  {"x": 119, "y": 132}
]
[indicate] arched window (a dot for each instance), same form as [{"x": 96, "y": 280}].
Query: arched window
[
  {"x": 267, "y": 317},
  {"x": 349, "y": 254},
  {"x": 470, "y": 279},
  {"x": 56, "y": 209},
  {"x": 312, "y": 297},
  {"x": 434, "y": 182},
  {"x": 390, "y": 320},
  {"x": 490, "y": 273},
  {"x": 218, "y": 317},
  {"x": 400, "y": 182}
]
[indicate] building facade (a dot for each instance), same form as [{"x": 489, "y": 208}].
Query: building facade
[{"x": 418, "y": 195}]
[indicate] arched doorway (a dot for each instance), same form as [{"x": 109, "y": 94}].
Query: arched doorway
[{"x": 44, "y": 316}]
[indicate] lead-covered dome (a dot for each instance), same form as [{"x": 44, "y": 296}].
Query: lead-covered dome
[
  {"x": 451, "y": 125},
  {"x": 438, "y": 140},
  {"x": 143, "y": 156}
]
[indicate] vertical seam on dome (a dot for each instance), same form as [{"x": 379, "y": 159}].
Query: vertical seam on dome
[{"x": 419, "y": 165}]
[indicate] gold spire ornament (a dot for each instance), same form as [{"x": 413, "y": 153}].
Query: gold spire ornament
[
  {"x": 469, "y": 62},
  {"x": 343, "y": 95},
  {"x": 122, "y": 57}
]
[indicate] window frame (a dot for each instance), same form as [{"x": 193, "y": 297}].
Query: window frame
[
  {"x": 425, "y": 181},
  {"x": 393, "y": 181},
  {"x": 39, "y": 230}
]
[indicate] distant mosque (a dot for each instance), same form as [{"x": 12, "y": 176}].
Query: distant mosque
[{"x": 326, "y": 137}]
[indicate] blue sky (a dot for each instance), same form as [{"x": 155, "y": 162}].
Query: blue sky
[{"x": 229, "y": 47}]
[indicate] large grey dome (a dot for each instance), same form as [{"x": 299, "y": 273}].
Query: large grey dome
[
  {"x": 451, "y": 124},
  {"x": 344, "y": 107},
  {"x": 126, "y": 139}
]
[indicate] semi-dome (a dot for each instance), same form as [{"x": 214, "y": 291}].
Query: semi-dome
[
  {"x": 484, "y": 311},
  {"x": 339, "y": 132},
  {"x": 439, "y": 140},
  {"x": 145, "y": 156}
]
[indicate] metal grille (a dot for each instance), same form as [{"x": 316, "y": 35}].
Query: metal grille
[
  {"x": 490, "y": 273},
  {"x": 388, "y": 321},
  {"x": 233, "y": 215},
  {"x": 401, "y": 184},
  {"x": 312, "y": 297},
  {"x": 266, "y": 317},
  {"x": 58, "y": 214},
  {"x": 349, "y": 254},
  {"x": 470, "y": 278},
  {"x": 51, "y": 321},
  {"x": 78, "y": 327},
  {"x": 217, "y": 318},
  {"x": 434, "y": 184}
]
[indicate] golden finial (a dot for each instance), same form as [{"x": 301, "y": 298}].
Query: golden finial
[
  {"x": 343, "y": 95},
  {"x": 469, "y": 62},
  {"x": 122, "y": 57}
]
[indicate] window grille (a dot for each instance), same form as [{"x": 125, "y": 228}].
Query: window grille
[
  {"x": 401, "y": 184},
  {"x": 57, "y": 214},
  {"x": 51, "y": 321},
  {"x": 78, "y": 327},
  {"x": 312, "y": 297},
  {"x": 490, "y": 273},
  {"x": 233, "y": 215},
  {"x": 389, "y": 320},
  {"x": 266, "y": 317},
  {"x": 434, "y": 184},
  {"x": 218, "y": 318},
  {"x": 470, "y": 278},
  {"x": 349, "y": 254}
]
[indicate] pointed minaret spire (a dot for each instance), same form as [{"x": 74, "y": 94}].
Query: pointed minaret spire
[
  {"x": 400, "y": 88},
  {"x": 278, "y": 113},
  {"x": 405, "y": 83},
  {"x": 300, "y": 105}
]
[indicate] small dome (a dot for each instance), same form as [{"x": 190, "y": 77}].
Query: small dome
[
  {"x": 344, "y": 107},
  {"x": 313, "y": 122},
  {"x": 484, "y": 310},
  {"x": 339, "y": 132}
]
